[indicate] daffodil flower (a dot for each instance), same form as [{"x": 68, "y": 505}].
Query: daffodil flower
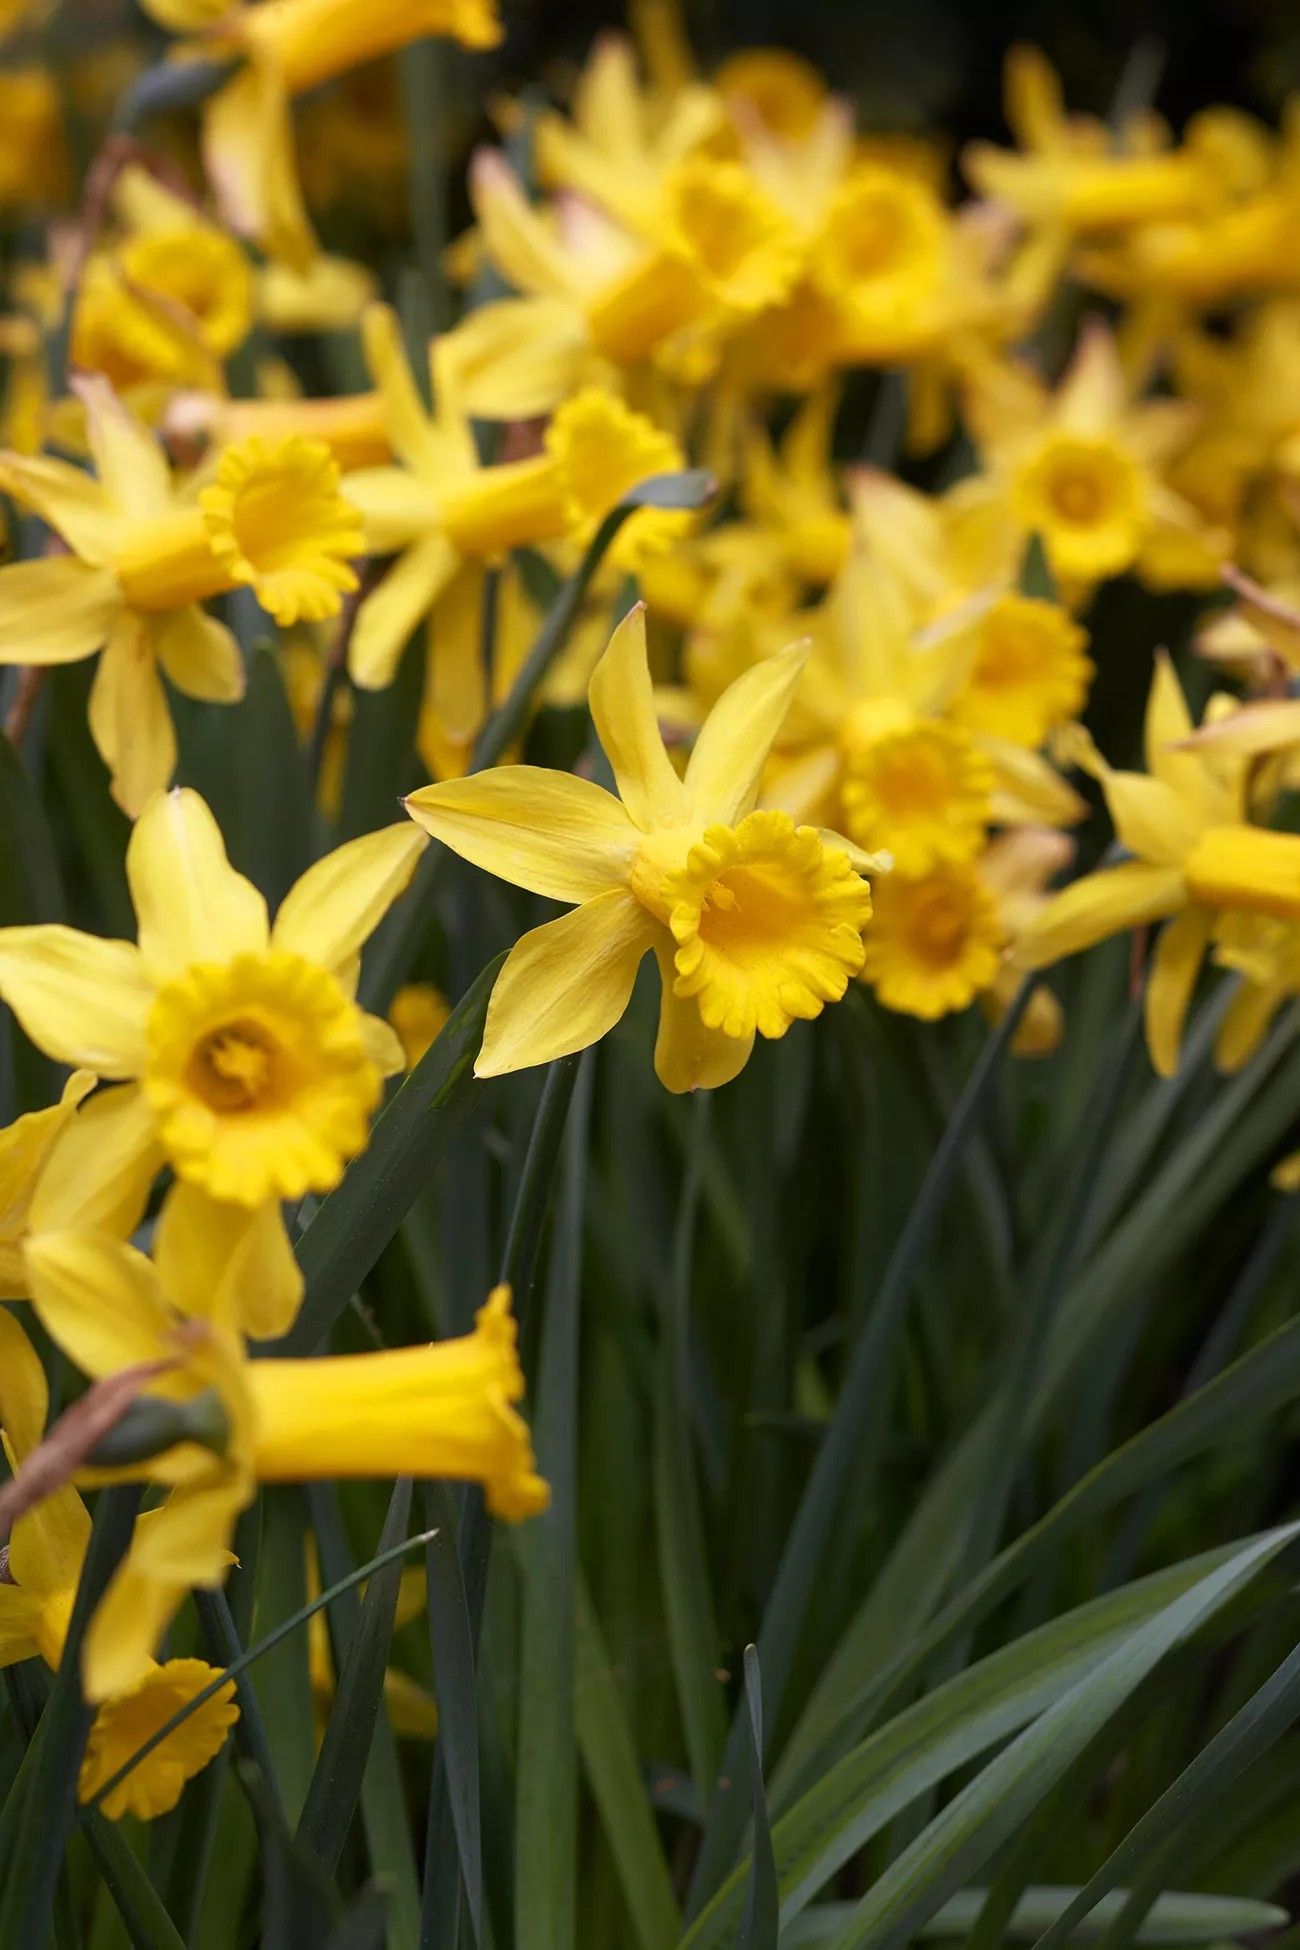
[
  {"x": 237, "y": 1053},
  {"x": 444, "y": 1410},
  {"x": 288, "y": 47},
  {"x": 25, "y": 1147},
  {"x": 1183, "y": 823},
  {"x": 42, "y": 1571},
  {"x": 145, "y": 555},
  {"x": 441, "y": 509},
  {"x": 755, "y": 923},
  {"x": 1084, "y": 469},
  {"x": 935, "y": 941}
]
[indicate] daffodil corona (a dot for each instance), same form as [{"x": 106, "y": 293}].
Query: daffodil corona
[{"x": 755, "y": 922}]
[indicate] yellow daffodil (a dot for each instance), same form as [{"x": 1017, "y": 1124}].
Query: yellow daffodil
[
  {"x": 353, "y": 427},
  {"x": 442, "y": 508},
  {"x": 791, "y": 493},
  {"x": 1028, "y": 673},
  {"x": 41, "y": 1574},
  {"x": 935, "y": 941},
  {"x": 1192, "y": 855},
  {"x": 145, "y": 555},
  {"x": 329, "y": 296},
  {"x": 444, "y": 1410},
  {"x": 1016, "y": 868},
  {"x": 25, "y": 1147},
  {"x": 417, "y": 1013},
  {"x": 754, "y": 922},
  {"x": 1070, "y": 171},
  {"x": 1266, "y": 954},
  {"x": 1082, "y": 468},
  {"x": 286, "y": 48},
  {"x": 238, "y": 1054}
]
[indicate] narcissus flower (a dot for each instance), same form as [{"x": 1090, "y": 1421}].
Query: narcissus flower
[
  {"x": 445, "y": 1410},
  {"x": 934, "y": 943},
  {"x": 43, "y": 1568},
  {"x": 755, "y": 922},
  {"x": 1029, "y": 671},
  {"x": 144, "y": 557},
  {"x": 238, "y": 1054},
  {"x": 1193, "y": 855},
  {"x": 25, "y": 1147},
  {"x": 289, "y": 47}
]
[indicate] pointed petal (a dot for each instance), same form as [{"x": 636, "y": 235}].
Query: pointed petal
[
  {"x": 514, "y": 236},
  {"x": 199, "y": 655},
  {"x": 383, "y": 1046},
  {"x": 20, "y": 1619},
  {"x": 1269, "y": 726},
  {"x": 249, "y": 158},
  {"x": 125, "y": 1631},
  {"x": 192, "y": 905},
  {"x": 623, "y": 710},
  {"x": 24, "y": 1392},
  {"x": 565, "y": 984},
  {"x": 396, "y": 507},
  {"x": 56, "y": 610},
  {"x": 404, "y": 410},
  {"x": 1168, "y": 721},
  {"x": 25, "y": 1147},
  {"x": 547, "y": 831},
  {"x": 68, "y": 499},
  {"x": 687, "y": 1055},
  {"x": 129, "y": 459},
  {"x": 730, "y": 753},
  {"x": 1246, "y": 1023},
  {"x": 129, "y": 719},
  {"x": 1092, "y": 398},
  {"x": 82, "y": 1000},
  {"x": 48, "y": 1544},
  {"x": 1099, "y": 905},
  {"x": 100, "y": 1299},
  {"x": 102, "y": 1167},
  {"x": 198, "y": 1240},
  {"x": 1150, "y": 818},
  {"x": 1175, "y": 966},
  {"x": 337, "y": 904},
  {"x": 396, "y": 607}
]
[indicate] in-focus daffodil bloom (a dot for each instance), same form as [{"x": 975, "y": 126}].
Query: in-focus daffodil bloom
[
  {"x": 238, "y": 1054},
  {"x": 1083, "y": 468},
  {"x": 1071, "y": 173},
  {"x": 42, "y": 1571},
  {"x": 445, "y": 1410},
  {"x": 25, "y": 1147},
  {"x": 145, "y": 555},
  {"x": 755, "y": 922},
  {"x": 1183, "y": 823},
  {"x": 441, "y": 508},
  {"x": 286, "y": 48},
  {"x": 935, "y": 942}
]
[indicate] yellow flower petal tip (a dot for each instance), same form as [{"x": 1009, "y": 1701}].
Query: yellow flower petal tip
[{"x": 126, "y": 1721}]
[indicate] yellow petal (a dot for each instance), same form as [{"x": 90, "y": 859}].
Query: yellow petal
[
  {"x": 565, "y": 984},
  {"x": 129, "y": 459},
  {"x": 48, "y": 1543},
  {"x": 687, "y": 1055},
  {"x": 1092, "y": 396},
  {"x": 514, "y": 235},
  {"x": 102, "y": 1167},
  {"x": 1168, "y": 721},
  {"x": 199, "y": 655},
  {"x": 1246, "y": 1023},
  {"x": 408, "y": 422},
  {"x": 25, "y": 1146},
  {"x": 129, "y": 719},
  {"x": 56, "y": 610},
  {"x": 1245, "y": 867},
  {"x": 396, "y": 506},
  {"x": 1270, "y": 726},
  {"x": 517, "y": 358},
  {"x": 727, "y": 763},
  {"x": 1028, "y": 790},
  {"x": 1170, "y": 980},
  {"x": 191, "y": 904},
  {"x": 127, "y": 1626},
  {"x": 24, "y": 1392},
  {"x": 249, "y": 159},
  {"x": 623, "y": 710},
  {"x": 198, "y": 1240},
  {"x": 82, "y": 1000},
  {"x": 68, "y": 499},
  {"x": 20, "y": 1622},
  {"x": 1150, "y": 818},
  {"x": 100, "y": 1300},
  {"x": 550, "y": 832},
  {"x": 1099, "y": 905},
  {"x": 384, "y": 1046},
  {"x": 397, "y": 605},
  {"x": 338, "y": 903}
]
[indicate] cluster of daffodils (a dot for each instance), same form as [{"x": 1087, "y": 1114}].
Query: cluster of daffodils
[{"x": 838, "y": 706}]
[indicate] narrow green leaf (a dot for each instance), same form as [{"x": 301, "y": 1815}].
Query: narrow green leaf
[
  {"x": 760, "y": 1916},
  {"x": 301, "y": 1903},
  {"x": 336, "y": 1779},
  {"x": 978, "y": 1820},
  {"x": 546, "y": 1775},
  {"x": 283, "y": 1679},
  {"x": 139, "y": 1905},
  {"x": 610, "y": 1762},
  {"x": 224, "y": 1649},
  {"x": 48, "y": 1786},
  {"x": 453, "y": 1856},
  {"x": 80, "y": 777},
  {"x": 31, "y": 887},
  {"x": 273, "y": 780},
  {"x": 1175, "y": 1917},
  {"x": 840, "y": 1449},
  {"x": 353, "y": 1225},
  {"x": 532, "y": 1201}
]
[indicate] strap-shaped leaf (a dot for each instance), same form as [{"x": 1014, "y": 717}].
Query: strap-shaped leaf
[
  {"x": 760, "y": 1918},
  {"x": 139, "y": 1905}
]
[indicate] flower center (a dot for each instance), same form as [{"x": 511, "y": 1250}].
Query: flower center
[
  {"x": 922, "y": 792},
  {"x": 938, "y": 924},
  {"x": 259, "y": 1077},
  {"x": 276, "y": 520},
  {"x": 767, "y": 921}
]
